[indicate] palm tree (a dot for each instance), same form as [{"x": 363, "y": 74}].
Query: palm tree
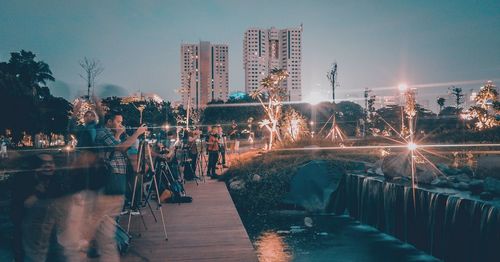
[
  {"x": 440, "y": 102},
  {"x": 31, "y": 75}
]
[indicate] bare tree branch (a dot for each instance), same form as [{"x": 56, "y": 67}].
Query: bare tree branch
[{"x": 91, "y": 70}]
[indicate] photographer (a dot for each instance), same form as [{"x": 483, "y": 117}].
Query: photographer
[
  {"x": 193, "y": 152},
  {"x": 234, "y": 134},
  {"x": 111, "y": 198},
  {"x": 213, "y": 151},
  {"x": 222, "y": 145}
]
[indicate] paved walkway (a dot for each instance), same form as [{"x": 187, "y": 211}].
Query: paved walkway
[{"x": 208, "y": 229}]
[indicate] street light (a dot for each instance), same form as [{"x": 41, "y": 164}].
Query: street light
[{"x": 403, "y": 87}]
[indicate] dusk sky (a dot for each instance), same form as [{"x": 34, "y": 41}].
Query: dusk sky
[{"x": 376, "y": 43}]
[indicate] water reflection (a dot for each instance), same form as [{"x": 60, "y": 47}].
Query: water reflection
[
  {"x": 272, "y": 248},
  {"x": 286, "y": 237}
]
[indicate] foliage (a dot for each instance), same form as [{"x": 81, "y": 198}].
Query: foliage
[
  {"x": 293, "y": 126},
  {"x": 458, "y": 94},
  {"x": 271, "y": 95},
  {"x": 238, "y": 110},
  {"x": 485, "y": 111},
  {"x": 154, "y": 114},
  {"x": 23, "y": 90},
  {"x": 440, "y": 101}
]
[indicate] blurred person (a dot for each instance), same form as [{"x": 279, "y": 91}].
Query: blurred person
[
  {"x": 110, "y": 199},
  {"x": 192, "y": 149},
  {"x": 3, "y": 147},
  {"x": 222, "y": 145},
  {"x": 40, "y": 209},
  {"x": 234, "y": 134},
  {"x": 87, "y": 133},
  {"x": 213, "y": 151}
]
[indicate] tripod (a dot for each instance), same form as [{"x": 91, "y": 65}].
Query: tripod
[
  {"x": 163, "y": 173},
  {"x": 144, "y": 158}
]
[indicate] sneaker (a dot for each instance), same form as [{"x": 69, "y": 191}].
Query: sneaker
[{"x": 135, "y": 212}]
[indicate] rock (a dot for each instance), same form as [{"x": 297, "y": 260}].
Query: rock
[
  {"x": 463, "y": 178},
  {"x": 492, "y": 185},
  {"x": 425, "y": 177},
  {"x": 396, "y": 166},
  {"x": 256, "y": 178},
  {"x": 476, "y": 186},
  {"x": 401, "y": 180},
  {"x": 451, "y": 172},
  {"x": 440, "y": 182},
  {"x": 308, "y": 222},
  {"x": 467, "y": 170},
  {"x": 486, "y": 196},
  {"x": 452, "y": 179},
  {"x": 237, "y": 185},
  {"x": 314, "y": 185},
  {"x": 462, "y": 186},
  {"x": 378, "y": 171}
]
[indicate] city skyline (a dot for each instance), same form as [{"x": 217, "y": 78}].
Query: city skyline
[
  {"x": 377, "y": 45},
  {"x": 204, "y": 73}
]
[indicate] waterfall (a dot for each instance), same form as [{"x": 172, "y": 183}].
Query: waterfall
[{"x": 447, "y": 226}]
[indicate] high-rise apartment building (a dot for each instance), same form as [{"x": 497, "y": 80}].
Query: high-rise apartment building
[
  {"x": 204, "y": 73},
  {"x": 266, "y": 49}
]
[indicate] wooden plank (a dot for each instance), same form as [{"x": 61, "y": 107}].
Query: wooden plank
[{"x": 208, "y": 229}]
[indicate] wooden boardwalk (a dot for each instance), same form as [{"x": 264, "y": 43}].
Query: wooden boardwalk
[{"x": 208, "y": 229}]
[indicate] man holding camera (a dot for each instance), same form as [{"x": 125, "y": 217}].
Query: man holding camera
[{"x": 111, "y": 198}]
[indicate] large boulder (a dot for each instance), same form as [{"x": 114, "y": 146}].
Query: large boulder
[
  {"x": 313, "y": 185},
  {"x": 425, "y": 175},
  {"x": 396, "y": 166}
]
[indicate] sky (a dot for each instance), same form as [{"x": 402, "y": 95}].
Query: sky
[{"x": 430, "y": 45}]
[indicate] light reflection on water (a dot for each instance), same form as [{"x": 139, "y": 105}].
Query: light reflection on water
[
  {"x": 284, "y": 238},
  {"x": 271, "y": 248}
]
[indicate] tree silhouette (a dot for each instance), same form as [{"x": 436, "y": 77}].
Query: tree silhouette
[{"x": 440, "y": 101}]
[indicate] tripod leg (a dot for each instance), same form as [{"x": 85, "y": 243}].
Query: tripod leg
[
  {"x": 159, "y": 205},
  {"x": 151, "y": 209},
  {"x": 132, "y": 203}
]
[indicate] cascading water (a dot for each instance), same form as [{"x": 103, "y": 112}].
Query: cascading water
[{"x": 446, "y": 225}]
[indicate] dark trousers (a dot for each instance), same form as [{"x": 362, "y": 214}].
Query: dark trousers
[
  {"x": 213, "y": 156},
  {"x": 222, "y": 150}
]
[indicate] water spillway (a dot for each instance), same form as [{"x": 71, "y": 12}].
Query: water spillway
[{"x": 444, "y": 223}]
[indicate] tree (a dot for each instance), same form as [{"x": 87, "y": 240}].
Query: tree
[
  {"x": 347, "y": 116},
  {"x": 440, "y": 101},
  {"x": 23, "y": 90},
  {"x": 458, "y": 94},
  {"x": 487, "y": 96},
  {"x": 92, "y": 69},
  {"x": 484, "y": 112},
  {"x": 270, "y": 96},
  {"x": 25, "y": 76}
]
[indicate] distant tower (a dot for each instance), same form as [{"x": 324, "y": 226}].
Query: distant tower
[
  {"x": 332, "y": 76},
  {"x": 267, "y": 49},
  {"x": 204, "y": 73}
]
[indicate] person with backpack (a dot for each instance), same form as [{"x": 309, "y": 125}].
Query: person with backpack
[{"x": 110, "y": 199}]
